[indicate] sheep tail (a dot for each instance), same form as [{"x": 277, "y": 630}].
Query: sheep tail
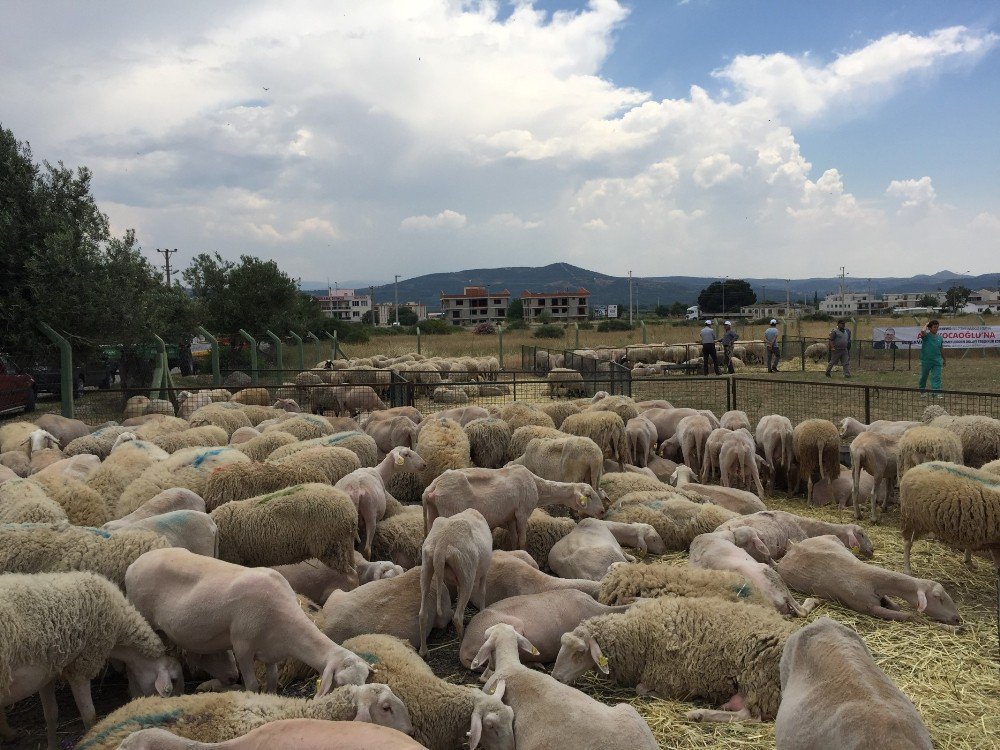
[
  {"x": 439, "y": 562},
  {"x": 819, "y": 451}
]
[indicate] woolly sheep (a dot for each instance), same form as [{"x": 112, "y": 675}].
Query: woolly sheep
[
  {"x": 221, "y": 414},
  {"x": 243, "y": 434},
  {"x": 683, "y": 647},
  {"x": 17, "y": 462},
  {"x": 292, "y": 734},
  {"x": 261, "y": 446},
  {"x": 521, "y": 413},
  {"x": 245, "y": 480},
  {"x": 23, "y": 501},
  {"x": 814, "y": 708},
  {"x": 551, "y": 715},
  {"x": 559, "y": 411},
  {"x": 358, "y": 442},
  {"x": 160, "y": 406},
  {"x": 252, "y": 611},
  {"x": 252, "y": 396},
  {"x": 623, "y": 406},
  {"x": 489, "y": 442},
  {"x": 617, "y": 485},
  {"x": 959, "y": 505},
  {"x": 176, "y": 498},
  {"x": 463, "y": 415},
  {"x": 399, "y": 537},
  {"x": 678, "y": 521},
  {"x": 445, "y": 395},
  {"x": 14, "y": 436},
  {"x": 100, "y": 442},
  {"x": 84, "y": 505},
  {"x": 443, "y": 445},
  {"x": 165, "y": 425},
  {"x": 605, "y": 428},
  {"x": 924, "y": 443},
  {"x": 192, "y": 403},
  {"x": 816, "y": 352},
  {"x": 565, "y": 382},
  {"x": 36, "y": 648},
  {"x": 626, "y": 582},
  {"x": 215, "y": 717},
  {"x": 303, "y": 427},
  {"x": 79, "y": 467},
  {"x": 543, "y": 532},
  {"x": 993, "y": 467},
  {"x": 980, "y": 436},
  {"x": 565, "y": 459},
  {"x": 188, "y": 467},
  {"x": 520, "y": 438},
  {"x": 64, "y": 429},
  {"x": 260, "y": 413},
  {"x": 816, "y": 445},
  {"x": 117, "y": 472},
  {"x": 208, "y": 436},
  {"x": 444, "y": 715}
]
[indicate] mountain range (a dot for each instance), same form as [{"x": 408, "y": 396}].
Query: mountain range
[{"x": 648, "y": 290}]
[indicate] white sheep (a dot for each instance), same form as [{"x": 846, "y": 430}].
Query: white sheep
[
  {"x": 23, "y": 501},
  {"x": 605, "y": 428},
  {"x": 816, "y": 445},
  {"x": 564, "y": 459},
  {"x": 738, "y": 457},
  {"x": 550, "y": 715},
  {"x": 850, "y": 428},
  {"x": 773, "y": 435},
  {"x": 692, "y": 434},
  {"x": 736, "y": 500},
  {"x": 678, "y": 648},
  {"x": 391, "y": 432},
  {"x": 734, "y": 420},
  {"x": 462, "y": 545},
  {"x": 444, "y": 716},
  {"x": 167, "y": 501},
  {"x": 876, "y": 453},
  {"x": 815, "y": 705},
  {"x": 94, "y": 623},
  {"x": 252, "y": 611},
  {"x": 192, "y": 530},
  {"x": 594, "y": 546},
  {"x": 315, "y": 581},
  {"x": 210, "y": 717},
  {"x": 957, "y": 504},
  {"x": 924, "y": 443},
  {"x": 626, "y": 582},
  {"x": 641, "y": 435},
  {"x": 980, "y": 436},
  {"x": 710, "y": 460},
  {"x": 516, "y": 574}
]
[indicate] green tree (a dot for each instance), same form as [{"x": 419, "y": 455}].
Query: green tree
[
  {"x": 726, "y": 296},
  {"x": 928, "y": 300},
  {"x": 515, "y": 310},
  {"x": 956, "y": 297},
  {"x": 678, "y": 308}
]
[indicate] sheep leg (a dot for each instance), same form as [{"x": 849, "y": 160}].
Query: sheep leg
[
  {"x": 50, "y": 709},
  {"x": 721, "y": 715},
  {"x": 809, "y": 490},
  {"x": 968, "y": 558},
  {"x": 464, "y": 594},
  {"x": 6, "y": 733},
  {"x": 907, "y": 544},
  {"x": 890, "y": 614},
  {"x": 368, "y": 515},
  {"x": 244, "y": 659},
  {"x": 80, "y": 687},
  {"x": 271, "y": 686},
  {"x": 425, "y": 596}
]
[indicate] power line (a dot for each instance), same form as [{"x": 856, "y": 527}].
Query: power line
[{"x": 166, "y": 253}]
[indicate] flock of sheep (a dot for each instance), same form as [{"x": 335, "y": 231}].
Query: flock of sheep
[{"x": 246, "y": 547}]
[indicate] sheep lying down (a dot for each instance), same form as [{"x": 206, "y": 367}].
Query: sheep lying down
[
  {"x": 823, "y": 566},
  {"x": 291, "y": 734}
]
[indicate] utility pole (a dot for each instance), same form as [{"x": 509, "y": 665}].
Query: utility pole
[
  {"x": 843, "y": 273},
  {"x": 724, "y": 280},
  {"x": 788, "y": 297},
  {"x": 166, "y": 253},
  {"x": 371, "y": 293},
  {"x": 630, "y": 298},
  {"x": 397, "y": 299}
]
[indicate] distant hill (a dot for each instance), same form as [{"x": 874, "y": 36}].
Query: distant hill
[{"x": 650, "y": 291}]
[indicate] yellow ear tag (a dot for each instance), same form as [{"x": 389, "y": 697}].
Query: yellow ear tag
[
  {"x": 583, "y": 499},
  {"x": 602, "y": 660},
  {"x": 534, "y": 651},
  {"x": 399, "y": 460},
  {"x": 318, "y": 683}
]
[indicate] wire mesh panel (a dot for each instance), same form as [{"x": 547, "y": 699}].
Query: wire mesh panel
[
  {"x": 694, "y": 393},
  {"x": 798, "y": 400}
]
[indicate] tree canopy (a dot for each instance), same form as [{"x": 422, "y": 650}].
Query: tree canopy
[
  {"x": 726, "y": 296},
  {"x": 956, "y": 297}
]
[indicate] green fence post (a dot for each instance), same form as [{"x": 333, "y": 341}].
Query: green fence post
[
  {"x": 854, "y": 339},
  {"x": 253, "y": 356},
  {"x": 315, "y": 338},
  {"x": 642, "y": 323},
  {"x": 335, "y": 346},
  {"x": 216, "y": 374},
  {"x": 576, "y": 345},
  {"x": 418, "y": 339},
  {"x": 65, "y": 368},
  {"x": 160, "y": 379},
  {"x": 302, "y": 354},
  {"x": 500, "y": 336},
  {"x": 279, "y": 358}
]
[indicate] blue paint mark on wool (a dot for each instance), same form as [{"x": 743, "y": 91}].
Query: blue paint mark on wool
[
  {"x": 340, "y": 436},
  {"x": 134, "y": 724},
  {"x": 964, "y": 472},
  {"x": 207, "y": 455}
]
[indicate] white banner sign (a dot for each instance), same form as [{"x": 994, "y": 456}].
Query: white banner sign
[
  {"x": 612, "y": 311},
  {"x": 955, "y": 337}
]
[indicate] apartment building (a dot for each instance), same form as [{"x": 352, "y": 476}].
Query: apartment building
[
  {"x": 561, "y": 306},
  {"x": 853, "y": 303},
  {"x": 476, "y": 304},
  {"x": 385, "y": 313},
  {"x": 771, "y": 310},
  {"x": 344, "y": 304}
]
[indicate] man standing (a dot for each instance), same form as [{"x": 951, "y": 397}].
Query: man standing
[
  {"x": 708, "y": 349},
  {"x": 728, "y": 339},
  {"x": 771, "y": 345},
  {"x": 839, "y": 346},
  {"x": 931, "y": 357}
]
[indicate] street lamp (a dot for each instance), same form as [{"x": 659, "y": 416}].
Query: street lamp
[
  {"x": 724, "y": 280},
  {"x": 397, "y": 299}
]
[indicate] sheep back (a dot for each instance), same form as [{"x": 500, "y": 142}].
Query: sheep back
[
  {"x": 676, "y": 520},
  {"x": 816, "y": 445},
  {"x": 331, "y": 462},
  {"x": 605, "y": 428},
  {"x": 207, "y": 436},
  {"x": 260, "y": 447},
  {"x": 84, "y": 506},
  {"x": 544, "y": 531},
  {"x": 489, "y": 441},
  {"x": 241, "y": 481},
  {"x": 24, "y": 501},
  {"x": 958, "y": 504},
  {"x": 221, "y": 414},
  {"x": 361, "y": 444},
  {"x": 626, "y": 582}
]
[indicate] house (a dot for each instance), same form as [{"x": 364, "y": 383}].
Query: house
[
  {"x": 476, "y": 304},
  {"x": 560, "y": 306},
  {"x": 911, "y": 299},
  {"x": 770, "y": 310},
  {"x": 385, "y": 313},
  {"x": 344, "y": 304},
  {"x": 853, "y": 303}
]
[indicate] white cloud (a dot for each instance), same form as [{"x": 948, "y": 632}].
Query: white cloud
[
  {"x": 447, "y": 219},
  {"x": 912, "y": 193},
  {"x": 512, "y": 221},
  {"x": 716, "y": 169}
]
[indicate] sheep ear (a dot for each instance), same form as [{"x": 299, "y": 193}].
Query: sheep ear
[
  {"x": 595, "y": 653},
  {"x": 921, "y": 600},
  {"x": 485, "y": 652},
  {"x": 164, "y": 686},
  {"x": 364, "y": 709},
  {"x": 326, "y": 683},
  {"x": 526, "y": 645},
  {"x": 499, "y": 688},
  {"x": 852, "y": 540},
  {"x": 475, "y": 730},
  {"x": 641, "y": 542}
]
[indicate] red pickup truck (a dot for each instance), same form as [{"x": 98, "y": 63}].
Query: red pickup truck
[{"x": 16, "y": 387}]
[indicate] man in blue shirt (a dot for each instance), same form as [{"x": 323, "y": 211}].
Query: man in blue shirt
[
  {"x": 707, "y": 337},
  {"x": 839, "y": 346},
  {"x": 729, "y": 338},
  {"x": 771, "y": 345}
]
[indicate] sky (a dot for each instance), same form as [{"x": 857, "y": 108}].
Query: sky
[{"x": 358, "y": 139}]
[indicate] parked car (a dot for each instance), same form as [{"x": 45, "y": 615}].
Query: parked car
[
  {"x": 16, "y": 387},
  {"x": 48, "y": 379}
]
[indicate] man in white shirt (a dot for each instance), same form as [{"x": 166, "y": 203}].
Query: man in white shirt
[
  {"x": 771, "y": 345},
  {"x": 707, "y": 337}
]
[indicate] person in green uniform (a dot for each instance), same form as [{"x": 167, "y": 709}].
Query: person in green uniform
[{"x": 931, "y": 356}]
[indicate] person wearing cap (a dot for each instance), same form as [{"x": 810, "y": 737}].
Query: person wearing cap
[
  {"x": 728, "y": 339},
  {"x": 838, "y": 344},
  {"x": 771, "y": 345},
  {"x": 707, "y": 337}
]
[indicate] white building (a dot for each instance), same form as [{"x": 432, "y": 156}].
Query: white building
[
  {"x": 560, "y": 306},
  {"x": 853, "y": 303},
  {"x": 344, "y": 304},
  {"x": 476, "y": 304},
  {"x": 385, "y": 314},
  {"x": 911, "y": 299},
  {"x": 771, "y": 310}
]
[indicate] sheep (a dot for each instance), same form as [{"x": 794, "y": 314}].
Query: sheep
[
  {"x": 177, "y": 498},
  {"x": 833, "y": 694},
  {"x": 443, "y": 445},
  {"x": 710, "y": 461},
  {"x": 241, "y": 481},
  {"x": 221, "y": 414},
  {"x": 358, "y": 442},
  {"x": 738, "y": 501},
  {"x": 565, "y": 382},
  {"x": 192, "y": 403},
  {"x": 778, "y": 529},
  {"x": 6, "y": 474},
  {"x": 605, "y": 428},
  {"x": 410, "y": 412},
  {"x": 816, "y": 446},
  {"x": 559, "y": 411},
  {"x": 980, "y": 436},
  {"x": 677, "y": 648},
  {"x": 924, "y": 443},
  {"x": 515, "y": 573},
  {"x": 79, "y": 467},
  {"x": 315, "y": 581},
  {"x": 399, "y": 537},
  {"x": 244, "y": 434},
  {"x": 84, "y": 505},
  {"x": 678, "y": 521},
  {"x": 551, "y": 715},
  {"x": 734, "y": 420},
  {"x": 192, "y": 530},
  {"x": 823, "y": 566},
  {"x": 739, "y": 455},
  {"x": 261, "y": 446},
  {"x": 392, "y": 432},
  {"x": 594, "y": 546},
  {"x": 816, "y": 352},
  {"x": 214, "y": 717},
  {"x": 445, "y": 395},
  {"x": 521, "y": 413},
  {"x": 160, "y": 406},
  {"x": 23, "y": 501},
  {"x": 164, "y": 425},
  {"x": 565, "y": 459},
  {"x": 504, "y": 496},
  {"x": 251, "y": 611},
  {"x": 463, "y": 545},
  {"x": 302, "y": 427},
  {"x": 850, "y": 428},
  {"x": 64, "y": 429},
  {"x": 287, "y": 526},
  {"x": 444, "y": 715},
  {"x": 14, "y": 436},
  {"x": 541, "y": 618},
  {"x": 618, "y": 484},
  {"x": 206, "y": 436},
  {"x": 351, "y": 400},
  {"x": 543, "y": 532},
  {"x": 17, "y": 462},
  {"x": 463, "y": 415},
  {"x": 724, "y": 549},
  {"x": 641, "y": 435},
  {"x": 626, "y": 582},
  {"x": 959, "y": 505},
  {"x": 623, "y": 406},
  {"x": 135, "y": 406},
  {"x": 692, "y": 434},
  {"x": 289, "y": 733},
  {"x": 489, "y": 442},
  {"x": 773, "y": 435},
  {"x": 252, "y": 396},
  {"x": 993, "y": 467},
  {"x": 99, "y": 442},
  {"x": 876, "y": 453},
  {"x": 94, "y": 623},
  {"x": 520, "y": 438},
  {"x": 366, "y": 487}
]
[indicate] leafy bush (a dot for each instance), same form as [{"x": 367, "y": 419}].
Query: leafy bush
[
  {"x": 484, "y": 329},
  {"x": 586, "y": 325},
  {"x": 818, "y": 315},
  {"x": 515, "y": 325},
  {"x": 547, "y": 331},
  {"x": 436, "y": 326},
  {"x": 613, "y": 324}
]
